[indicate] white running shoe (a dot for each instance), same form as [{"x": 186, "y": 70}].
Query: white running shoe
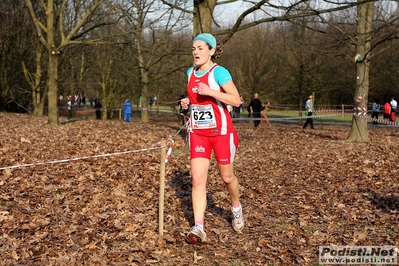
[
  {"x": 196, "y": 235},
  {"x": 238, "y": 220}
]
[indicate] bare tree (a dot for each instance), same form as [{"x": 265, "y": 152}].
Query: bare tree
[
  {"x": 152, "y": 38},
  {"x": 15, "y": 48},
  {"x": 264, "y": 11},
  {"x": 364, "y": 29},
  {"x": 35, "y": 81},
  {"x": 374, "y": 34},
  {"x": 258, "y": 66},
  {"x": 303, "y": 8},
  {"x": 55, "y": 37}
]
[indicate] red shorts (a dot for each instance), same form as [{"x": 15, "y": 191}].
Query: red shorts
[{"x": 224, "y": 147}]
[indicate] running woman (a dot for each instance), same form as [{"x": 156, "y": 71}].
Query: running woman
[{"x": 210, "y": 89}]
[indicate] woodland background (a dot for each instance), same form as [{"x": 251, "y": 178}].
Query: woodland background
[
  {"x": 126, "y": 49},
  {"x": 299, "y": 188}
]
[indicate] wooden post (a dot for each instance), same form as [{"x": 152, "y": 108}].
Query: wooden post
[
  {"x": 120, "y": 114},
  {"x": 161, "y": 188}
]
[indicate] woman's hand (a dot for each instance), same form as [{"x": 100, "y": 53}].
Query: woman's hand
[
  {"x": 184, "y": 103},
  {"x": 204, "y": 89}
]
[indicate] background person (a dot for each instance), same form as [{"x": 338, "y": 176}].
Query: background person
[
  {"x": 98, "y": 106},
  {"x": 263, "y": 113},
  {"x": 69, "y": 104},
  {"x": 210, "y": 89},
  {"x": 387, "y": 111},
  {"x": 255, "y": 107},
  {"x": 394, "y": 106},
  {"x": 236, "y": 111},
  {"x": 242, "y": 104},
  {"x": 309, "y": 109},
  {"x": 127, "y": 111},
  {"x": 150, "y": 102},
  {"x": 375, "y": 111}
]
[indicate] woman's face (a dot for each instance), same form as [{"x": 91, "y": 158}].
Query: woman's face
[{"x": 201, "y": 52}]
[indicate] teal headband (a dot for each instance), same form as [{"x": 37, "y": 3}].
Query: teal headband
[{"x": 208, "y": 38}]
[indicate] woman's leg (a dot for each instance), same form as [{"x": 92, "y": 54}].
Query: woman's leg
[
  {"x": 231, "y": 181},
  {"x": 199, "y": 173}
]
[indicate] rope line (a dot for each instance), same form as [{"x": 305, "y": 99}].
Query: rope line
[
  {"x": 377, "y": 120},
  {"x": 170, "y": 141},
  {"x": 293, "y": 118},
  {"x": 78, "y": 158}
]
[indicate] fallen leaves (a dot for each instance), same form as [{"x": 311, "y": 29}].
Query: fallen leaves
[{"x": 299, "y": 190}]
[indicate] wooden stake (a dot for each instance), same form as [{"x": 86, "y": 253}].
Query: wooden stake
[{"x": 161, "y": 188}]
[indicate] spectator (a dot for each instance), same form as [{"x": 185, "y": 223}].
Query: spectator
[
  {"x": 242, "y": 104},
  {"x": 255, "y": 107},
  {"x": 150, "y": 102},
  {"x": 98, "y": 106},
  {"x": 91, "y": 101},
  {"x": 309, "y": 110},
  {"x": 127, "y": 111},
  {"x": 77, "y": 100},
  {"x": 394, "y": 106},
  {"x": 387, "y": 111},
  {"x": 236, "y": 111},
  {"x": 375, "y": 110},
  {"x": 69, "y": 105},
  {"x": 84, "y": 101}
]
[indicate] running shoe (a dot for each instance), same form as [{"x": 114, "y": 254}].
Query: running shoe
[
  {"x": 238, "y": 220},
  {"x": 196, "y": 235}
]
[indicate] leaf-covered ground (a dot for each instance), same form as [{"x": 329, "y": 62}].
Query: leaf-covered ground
[{"x": 300, "y": 190}]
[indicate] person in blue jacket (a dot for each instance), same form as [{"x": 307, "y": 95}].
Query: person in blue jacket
[{"x": 127, "y": 111}]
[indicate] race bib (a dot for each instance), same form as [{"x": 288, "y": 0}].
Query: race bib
[{"x": 203, "y": 117}]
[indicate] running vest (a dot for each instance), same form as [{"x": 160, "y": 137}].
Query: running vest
[{"x": 209, "y": 116}]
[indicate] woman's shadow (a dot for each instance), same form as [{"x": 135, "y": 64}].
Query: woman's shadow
[
  {"x": 385, "y": 203},
  {"x": 181, "y": 183}
]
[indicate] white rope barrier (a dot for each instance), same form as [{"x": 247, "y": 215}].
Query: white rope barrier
[{"x": 156, "y": 146}]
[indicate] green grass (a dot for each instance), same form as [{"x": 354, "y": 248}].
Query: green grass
[
  {"x": 282, "y": 114},
  {"x": 295, "y": 114}
]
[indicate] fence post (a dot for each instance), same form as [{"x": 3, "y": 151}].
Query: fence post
[{"x": 161, "y": 188}]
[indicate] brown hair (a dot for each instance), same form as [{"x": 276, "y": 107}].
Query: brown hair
[{"x": 218, "y": 49}]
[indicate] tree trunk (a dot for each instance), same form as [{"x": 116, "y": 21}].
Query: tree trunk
[
  {"x": 203, "y": 16},
  {"x": 52, "y": 91},
  {"x": 359, "y": 131},
  {"x": 144, "y": 92},
  {"x": 52, "y": 68},
  {"x": 38, "y": 94},
  {"x": 144, "y": 81},
  {"x": 46, "y": 34}
]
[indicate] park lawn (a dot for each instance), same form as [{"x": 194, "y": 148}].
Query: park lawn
[{"x": 295, "y": 114}]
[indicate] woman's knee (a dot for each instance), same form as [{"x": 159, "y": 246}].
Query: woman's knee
[
  {"x": 229, "y": 178},
  {"x": 198, "y": 180}
]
